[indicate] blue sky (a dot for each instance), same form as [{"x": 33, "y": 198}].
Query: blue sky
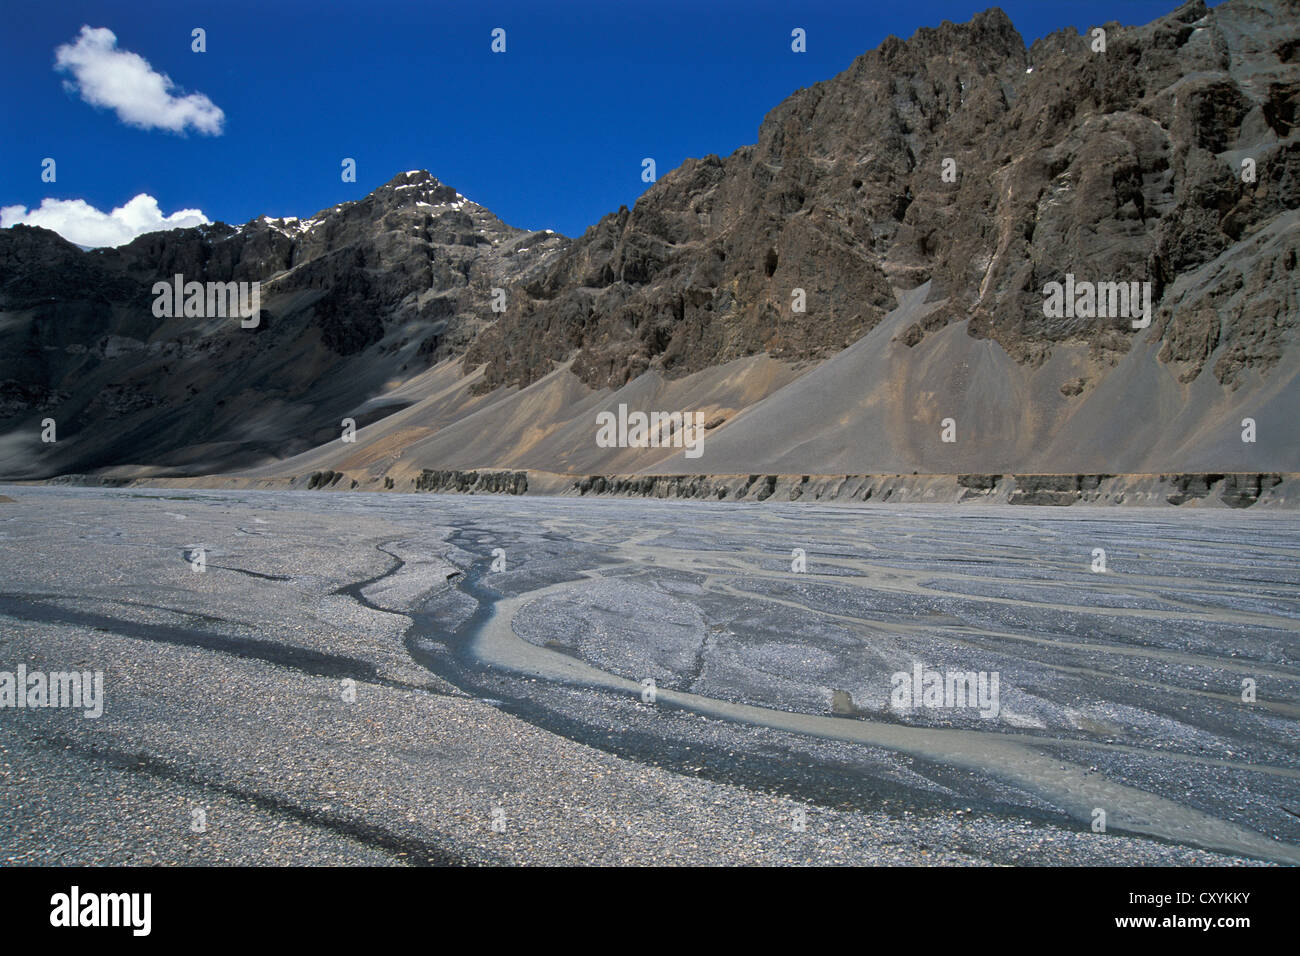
[{"x": 550, "y": 134}]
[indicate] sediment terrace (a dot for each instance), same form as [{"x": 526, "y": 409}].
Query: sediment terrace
[{"x": 1213, "y": 489}]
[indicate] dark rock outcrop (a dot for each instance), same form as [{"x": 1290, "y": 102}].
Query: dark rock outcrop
[
  {"x": 1053, "y": 489},
  {"x": 471, "y": 482}
]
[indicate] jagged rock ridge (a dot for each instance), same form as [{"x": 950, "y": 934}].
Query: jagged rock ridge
[{"x": 1120, "y": 165}]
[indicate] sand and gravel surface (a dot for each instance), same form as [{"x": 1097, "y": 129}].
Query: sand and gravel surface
[{"x": 425, "y": 679}]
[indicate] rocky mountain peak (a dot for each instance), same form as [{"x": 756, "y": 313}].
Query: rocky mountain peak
[
  {"x": 419, "y": 186},
  {"x": 382, "y": 286}
]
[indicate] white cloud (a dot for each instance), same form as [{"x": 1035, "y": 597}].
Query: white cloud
[
  {"x": 78, "y": 221},
  {"x": 125, "y": 82}
]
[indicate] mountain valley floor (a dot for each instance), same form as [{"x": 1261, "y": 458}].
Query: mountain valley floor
[{"x": 296, "y": 678}]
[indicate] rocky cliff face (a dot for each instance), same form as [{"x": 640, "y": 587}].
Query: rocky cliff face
[{"x": 1114, "y": 165}]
